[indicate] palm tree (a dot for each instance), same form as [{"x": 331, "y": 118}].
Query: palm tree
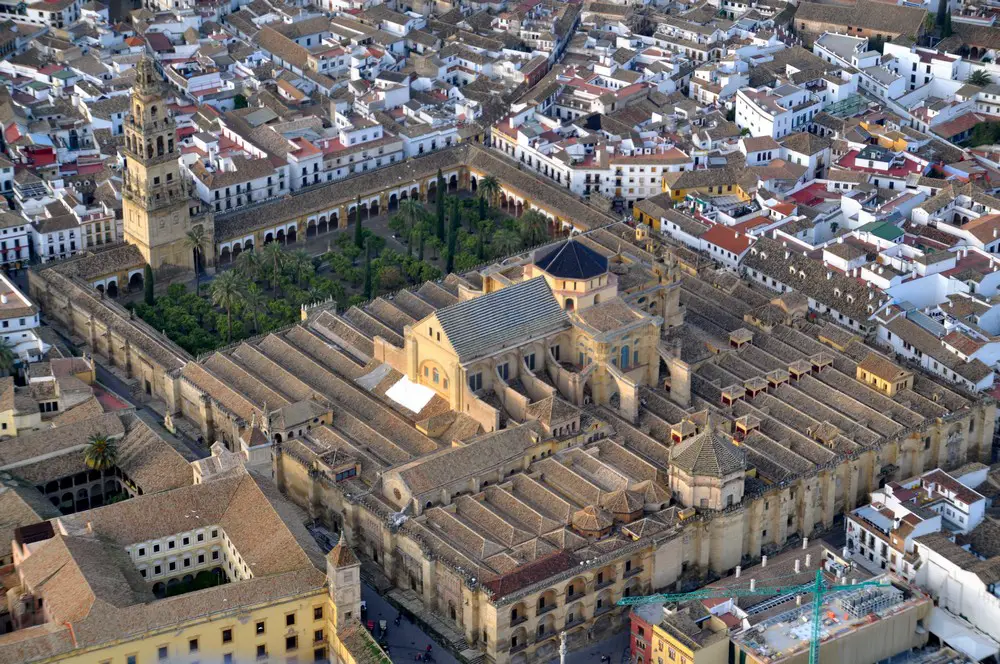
[
  {"x": 8, "y": 358},
  {"x": 534, "y": 228},
  {"x": 253, "y": 300},
  {"x": 195, "y": 240},
  {"x": 489, "y": 188},
  {"x": 410, "y": 211},
  {"x": 272, "y": 258},
  {"x": 505, "y": 242},
  {"x": 227, "y": 291},
  {"x": 248, "y": 265},
  {"x": 301, "y": 263},
  {"x": 101, "y": 453},
  {"x": 980, "y": 77}
]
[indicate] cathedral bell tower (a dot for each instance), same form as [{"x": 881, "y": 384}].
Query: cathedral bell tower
[{"x": 160, "y": 214}]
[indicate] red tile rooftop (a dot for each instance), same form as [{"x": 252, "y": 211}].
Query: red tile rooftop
[
  {"x": 814, "y": 194},
  {"x": 746, "y": 226},
  {"x": 848, "y": 161},
  {"x": 974, "y": 261},
  {"x": 727, "y": 238},
  {"x": 305, "y": 148}
]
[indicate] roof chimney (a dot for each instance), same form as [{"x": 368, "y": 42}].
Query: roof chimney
[
  {"x": 808, "y": 560},
  {"x": 739, "y": 569},
  {"x": 798, "y": 567},
  {"x": 763, "y": 561},
  {"x": 753, "y": 585},
  {"x": 805, "y": 542}
]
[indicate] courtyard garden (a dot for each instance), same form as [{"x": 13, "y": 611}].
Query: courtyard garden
[{"x": 264, "y": 290}]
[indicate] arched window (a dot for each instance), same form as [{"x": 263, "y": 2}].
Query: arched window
[
  {"x": 625, "y": 357},
  {"x": 436, "y": 376}
]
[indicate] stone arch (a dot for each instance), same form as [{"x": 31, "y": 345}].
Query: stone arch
[
  {"x": 604, "y": 601},
  {"x": 135, "y": 281},
  {"x": 393, "y": 202},
  {"x": 570, "y": 304},
  {"x": 545, "y": 600},
  {"x": 575, "y": 614},
  {"x": 403, "y": 196},
  {"x": 364, "y": 210},
  {"x": 578, "y": 586},
  {"x": 112, "y": 288},
  {"x": 373, "y": 208},
  {"x": 225, "y": 255},
  {"x": 473, "y": 183},
  {"x": 546, "y": 625},
  {"x": 311, "y": 228},
  {"x": 518, "y": 613},
  {"x": 518, "y": 638},
  {"x": 518, "y": 208},
  {"x": 280, "y": 236},
  {"x": 453, "y": 182},
  {"x": 248, "y": 245},
  {"x": 504, "y": 202},
  {"x": 415, "y": 193},
  {"x": 322, "y": 226},
  {"x": 159, "y": 590},
  {"x": 269, "y": 237},
  {"x": 277, "y": 437},
  {"x": 432, "y": 191},
  {"x": 237, "y": 250},
  {"x": 100, "y": 288},
  {"x": 291, "y": 235}
]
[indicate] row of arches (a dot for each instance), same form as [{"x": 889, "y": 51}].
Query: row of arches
[
  {"x": 178, "y": 585},
  {"x": 230, "y": 253},
  {"x": 86, "y": 497},
  {"x": 110, "y": 287}
]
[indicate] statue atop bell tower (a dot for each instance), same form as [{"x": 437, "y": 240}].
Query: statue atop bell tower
[{"x": 160, "y": 213}]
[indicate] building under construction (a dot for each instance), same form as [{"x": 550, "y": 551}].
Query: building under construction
[{"x": 860, "y": 626}]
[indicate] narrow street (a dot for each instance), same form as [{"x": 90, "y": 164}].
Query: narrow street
[
  {"x": 190, "y": 449},
  {"x": 407, "y": 641}
]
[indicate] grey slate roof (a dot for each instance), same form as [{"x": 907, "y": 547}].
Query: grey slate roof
[
  {"x": 510, "y": 315},
  {"x": 710, "y": 453},
  {"x": 573, "y": 260}
]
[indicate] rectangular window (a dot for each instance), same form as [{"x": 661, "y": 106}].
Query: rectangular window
[
  {"x": 193, "y": 645},
  {"x": 227, "y": 636},
  {"x": 261, "y": 651},
  {"x": 317, "y": 613},
  {"x": 291, "y": 643},
  {"x": 260, "y": 627},
  {"x": 318, "y": 636},
  {"x": 289, "y": 620},
  {"x": 161, "y": 653}
]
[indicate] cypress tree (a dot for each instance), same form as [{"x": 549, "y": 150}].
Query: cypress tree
[
  {"x": 440, "y": 206},
  {"x": 482, "y": 210},
  {"x": 452, "y": 236},
  {"x": 358, "y": 237},
  {"x": 420, "y": 248},
  {"x": 147, "y": 283},
  {"x": 368, "y": 269}
]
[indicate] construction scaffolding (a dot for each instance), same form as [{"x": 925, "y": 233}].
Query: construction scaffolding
[{"x": 870, "y": 600}]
